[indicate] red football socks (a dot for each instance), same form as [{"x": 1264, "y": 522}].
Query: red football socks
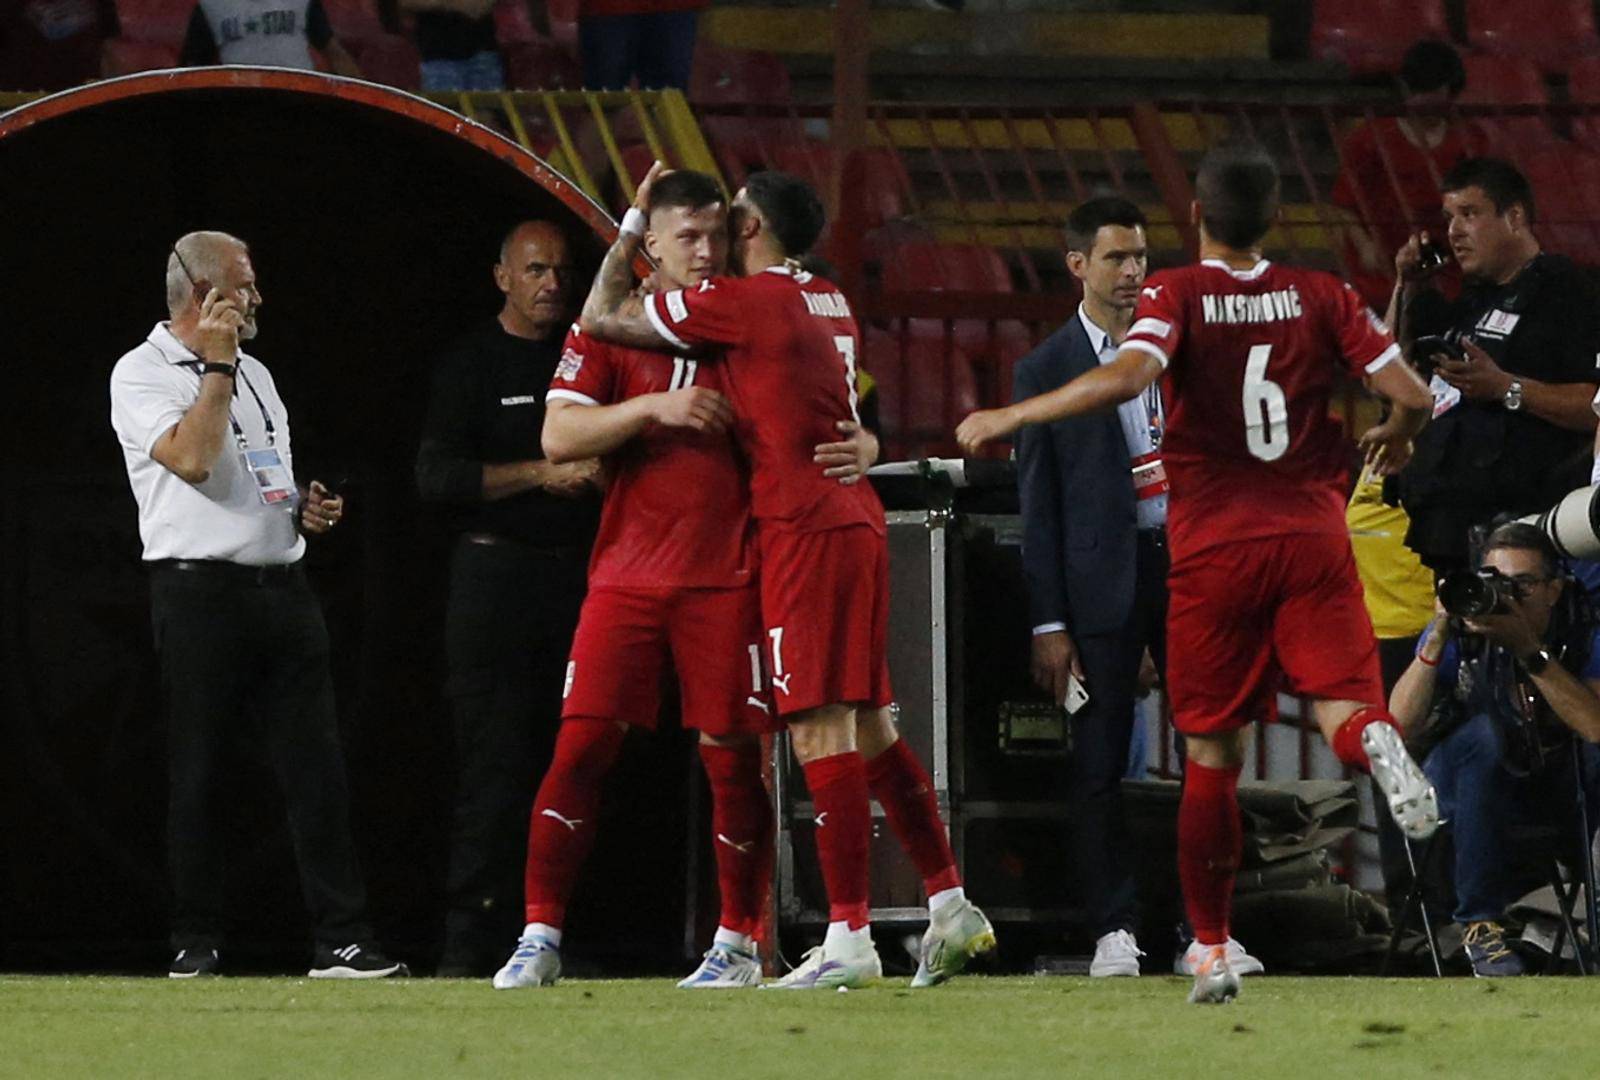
[
  {"x": 561, "y": 830},
  {"x": 1210, "y": 842},
  {"x": 844, "y": 828},
  {"x": 904, "y": 790},
  {"x": 1346, "y": 741},
  {"x": 742, "y": 830}
]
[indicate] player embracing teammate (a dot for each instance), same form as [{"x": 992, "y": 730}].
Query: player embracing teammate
[
  {"x": 781, "y": 346},
  {"x": 1263, "y": 585}
]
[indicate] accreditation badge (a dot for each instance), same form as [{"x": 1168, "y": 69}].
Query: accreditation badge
[
  {"x": 274, "y": 482},
  {"x": 1149, "y": 477}
]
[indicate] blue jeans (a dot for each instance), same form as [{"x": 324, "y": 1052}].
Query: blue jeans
[
  {"x": 658, "y": 48},
  {"x": 1483, "y": 803},
  {"x": 480, "y": 71}
]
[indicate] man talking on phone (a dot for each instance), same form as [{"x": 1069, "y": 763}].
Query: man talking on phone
[{"x": 243, "y": 648}]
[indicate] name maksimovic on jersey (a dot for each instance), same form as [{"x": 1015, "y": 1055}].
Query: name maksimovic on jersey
[{"x": 1259, "y": 308}]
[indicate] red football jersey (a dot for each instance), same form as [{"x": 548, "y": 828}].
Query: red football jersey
[
  {"x": 790, "y": 354},
  {"x": 677, "y": 511},
  {"x": 1252, "y": 358}
]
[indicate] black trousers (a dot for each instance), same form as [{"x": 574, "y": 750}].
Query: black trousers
[
  {"x": 508, "y": 628},
  {"x": 247, "y": 661},
  {"x": 1101, "y": 732}
]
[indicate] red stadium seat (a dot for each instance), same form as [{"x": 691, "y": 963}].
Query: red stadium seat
[
  {"x": 513, "y": 23},
  {"x": 354, "y": 21},
  {"x": 1370, "y": 36},
  {"x": 563, "y": 16},
  {"x": 920, "y": 267},
  {"x": 124, "y": 57},
  {"x": 738, "y": 77},
  {"x": 1499, "y": 80},
  {"x": 1566, "y": 195},
  {"x": 924, "y": 390},
  {"x": 391, "y": 59},
  {"x": 1583, "y": 88},
  {"x": 1551, "y": 33},
  {"x": 163, "y": 22},
  {"x": 541, "y": 65},
  {"x": 882, "y": 188}
]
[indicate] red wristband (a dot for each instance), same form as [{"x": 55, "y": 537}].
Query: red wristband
[{"x": 1430, "y": 663}]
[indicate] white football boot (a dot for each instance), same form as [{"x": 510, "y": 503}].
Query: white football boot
[
  {"x": 1240, "y": 961},
  {"x": 1412, "y": 800},
  {"x": 724, "y": 968},
  {"x": 536, "y": 962},
  {"x": 852, "y": 964},
  {"x": 956, "y": 933},
  {"x": 1215, "y": 983}
]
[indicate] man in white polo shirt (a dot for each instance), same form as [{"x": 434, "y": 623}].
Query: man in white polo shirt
[{"x": 241, "y": 638}]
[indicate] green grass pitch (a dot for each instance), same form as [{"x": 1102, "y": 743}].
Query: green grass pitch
[{"x": 56, "y": 1028}]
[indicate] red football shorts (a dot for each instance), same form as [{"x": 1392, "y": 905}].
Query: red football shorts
[
  {"x": 1247, "y": 619},
  {"x": 825, "y": 602},
  {"x": 712, "y": 636}
]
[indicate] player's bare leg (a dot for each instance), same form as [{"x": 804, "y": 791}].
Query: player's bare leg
[
  {"x": 1210, "y": 841},
  {"x": 957, "y": 929},
  {"x": 1366, "y": 737},
  {"x": 742, "y": 833},
  {"x": 824, "y": 741},
  {"x": 560, "y": 834}
]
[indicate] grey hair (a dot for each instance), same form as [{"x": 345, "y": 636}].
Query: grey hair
[{"x": 206, "y": 256}]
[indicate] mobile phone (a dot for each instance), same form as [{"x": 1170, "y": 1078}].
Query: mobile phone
[
  {"x": 1432, "y": 255},
  {"x": 1424, "y": 347},
  {"x": 1076, "y": 697}
]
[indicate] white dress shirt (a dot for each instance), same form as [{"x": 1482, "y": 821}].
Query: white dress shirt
[{"x": 224, "y": 518}]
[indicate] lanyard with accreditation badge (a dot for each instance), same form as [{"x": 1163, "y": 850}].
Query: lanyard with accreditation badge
[
  {"x": 274, "y": 483},
  {"x": 1149, "y": 475}
]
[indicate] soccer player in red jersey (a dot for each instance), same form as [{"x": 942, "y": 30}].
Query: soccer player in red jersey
[
  {"x": 1263, "y": 584},
  {"x": 672, "y": 575},
  {"x": 788, "y": 348}
]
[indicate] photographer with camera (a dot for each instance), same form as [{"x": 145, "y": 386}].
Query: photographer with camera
[
  {"x": 1505, "y": 674},
  {"x": 1512, "y": 363}
]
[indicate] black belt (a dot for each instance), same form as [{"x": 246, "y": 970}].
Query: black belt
[
  {"x": 278, "y": 574},
  {"x": 1156, "y": 537},
  {"x": 488, "y": 539}
]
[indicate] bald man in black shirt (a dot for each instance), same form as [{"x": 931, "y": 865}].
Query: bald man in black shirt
[{"x": 524, "y": 527}]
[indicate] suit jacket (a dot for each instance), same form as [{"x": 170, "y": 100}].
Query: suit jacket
[{"x": 1079, "y": 546}]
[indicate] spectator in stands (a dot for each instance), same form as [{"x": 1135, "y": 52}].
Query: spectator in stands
[
  {"x": 1497, "y": 763},
  {"x": 251, "y": 32},
  {"x": 648, "y": 40},
  {"x": 1388, "y": 184},
  {"x": 242, "y": 645},
  {"x": 457, "y": 43},
  {"x": 1513, "y": 428},
  {"x": 523, "y": 531},
  {"x": 52, "y": 44}
]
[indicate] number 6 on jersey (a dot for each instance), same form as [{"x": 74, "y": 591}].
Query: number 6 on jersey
[{"x": 1266, "y": 410}]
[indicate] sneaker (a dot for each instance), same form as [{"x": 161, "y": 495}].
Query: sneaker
[
  {"x": 1116, "y": 953},
  {"x": 724, "y": 967},
  {"x": 824, "y": 969},
  {"x": 1412, "y": 800},
  {"x": 1240, "y": 961},
  {"x": 1215, "y": 983},
  {"x": 355, "y": 962},
  {"x": 957, "y": 932},
  {"x": 535, "y": 962},
  {"x": 192, "y": 963},
  {"x": 1486, "y": 948}
]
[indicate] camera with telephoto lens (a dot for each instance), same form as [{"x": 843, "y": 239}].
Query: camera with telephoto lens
[{"x": 1472, "y": 594}]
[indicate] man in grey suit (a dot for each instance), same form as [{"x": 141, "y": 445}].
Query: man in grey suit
[{"x": 1094, "y": 511}]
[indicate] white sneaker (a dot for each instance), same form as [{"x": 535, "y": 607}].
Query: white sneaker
[
  {"x": 956, "y": 932},
  {"x": 535, "y": 962},
  {"x": 852, "y": 966},
  {"x": 1116, "y": 953},
  {"x": 724, "y": 968},
  {"x": 1412, "y": 800},
  {"x": 1215, "y": 983},
  {"x": 1240, "y": 961}
]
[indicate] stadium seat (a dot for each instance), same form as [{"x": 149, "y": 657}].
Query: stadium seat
[
  {"x": 513, "y": 24},
  {"x": 123, "y": 57},
  {"x": 540, "y": 64},
  {"x": 1370, "y": 36},
  {"x": 1550, "y": 33},
  {"x": 391, "y": 59},
  {"x": 1583, "y": 88},
  {"x": 354, "y": 21},
  {"x": 881, "y": 188},
  {"x": 163, "y": 22},
  {"x": 924, "y": 390},
  {"x": 1501, "y": 80},
  {"x": 1566, "y": 195},
  {"x": 563, "y": 16},
  {"x": 922, "y": 267},
  {"x": 728, "y": 79}
]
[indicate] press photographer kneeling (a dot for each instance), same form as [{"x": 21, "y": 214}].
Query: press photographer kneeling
[{"x": 1504, "y": 675}]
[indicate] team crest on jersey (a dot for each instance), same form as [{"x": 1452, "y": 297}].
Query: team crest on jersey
[{"x": 571, "y": 363}]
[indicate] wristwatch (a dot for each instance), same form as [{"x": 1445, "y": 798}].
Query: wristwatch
[
  {"x": 1514, "y": 395},
  {"x": 230, "y": 370},
  {"x": 1536, "y": 661}
]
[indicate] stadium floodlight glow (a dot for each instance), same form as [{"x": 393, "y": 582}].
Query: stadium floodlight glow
[{"x": 1573, "y": 524}]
